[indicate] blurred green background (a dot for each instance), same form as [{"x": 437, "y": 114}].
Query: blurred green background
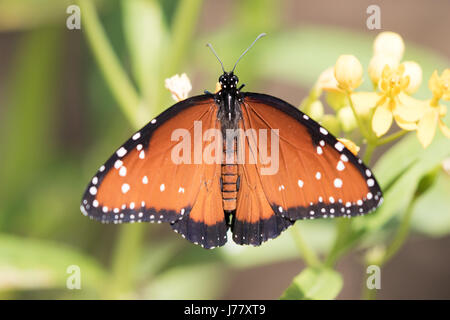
[{"x": 60, "y": 119}]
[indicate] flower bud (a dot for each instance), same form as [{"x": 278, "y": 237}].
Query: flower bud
[
  {"x": 389, "y": 44},
  {"x": 348, "y": 72},
  {"x": 327, "y": 81},
  {"x": 414, "y": 71},
  {"x": 377, "y": 64}
]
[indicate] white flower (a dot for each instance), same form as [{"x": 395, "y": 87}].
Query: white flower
[{"x": 179, "y": 86}]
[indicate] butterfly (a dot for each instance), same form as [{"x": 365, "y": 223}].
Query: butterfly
[{"x": 231, "y": 160}]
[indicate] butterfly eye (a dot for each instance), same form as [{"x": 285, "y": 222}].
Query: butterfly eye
[
  {"x": 221, "y": 79},
  {"x": 235, "y": 79}
]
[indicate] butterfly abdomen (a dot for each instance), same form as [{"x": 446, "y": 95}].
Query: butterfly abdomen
[{"x": 229, "y": 178}]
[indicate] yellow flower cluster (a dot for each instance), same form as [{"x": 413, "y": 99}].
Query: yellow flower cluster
[{"x": 391, "y": 100}]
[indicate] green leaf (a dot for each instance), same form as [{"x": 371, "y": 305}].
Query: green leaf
[
  {"x": 27, "y": 124},
  {"x": 401, "y": 168},
  {"x": 314, "y": 284},
  {"x": 431, "y": 213},
  {"x": 32, "y": 264}
]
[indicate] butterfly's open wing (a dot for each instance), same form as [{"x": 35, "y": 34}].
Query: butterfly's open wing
[
  {"x": 147, "y": 180},
  {"x": 315, "y": 177}
]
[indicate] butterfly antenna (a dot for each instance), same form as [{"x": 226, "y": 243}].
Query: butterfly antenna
[
  {"x": 214, "y": 52},
  {"x": 257, "y": 38}
]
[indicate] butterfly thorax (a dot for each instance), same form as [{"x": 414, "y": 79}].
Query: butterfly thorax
[{"x": 228, "y": 99}]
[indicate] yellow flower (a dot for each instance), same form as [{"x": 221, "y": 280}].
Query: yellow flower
[
  {"x": 348, "y": 72},
  {"x": 427, "y": 124},
  {"x": 350, "y": 145},
  {"x": 377, "y": 64},
  {"x": 394, "y": 103},
  {"x": 440, "y": 86},
  {"x": 179, "y": 86}
]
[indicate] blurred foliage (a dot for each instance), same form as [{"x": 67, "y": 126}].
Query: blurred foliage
[{"x": 45, "y": 165}]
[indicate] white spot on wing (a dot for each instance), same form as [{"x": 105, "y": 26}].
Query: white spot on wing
[
  {"x": 162, "y": 187},
  {"x": 318, "y": 175},
  {"x": 339, "y": 146},
  {"x": 136, "y": 136},
  {"x": 121, "y": 152},
  {"x": 340, "y": 166},
  {"x": 319, "y": 150},
  {"x": 123, "y": 171},
  {"x": 323, "y": 131},
  {"x": 93, "y": 190},
  {"x": 125, "y": 188},
  {"x": 145, "y": 180},
  {"x": 338, "y": 183},
  {"x": 300, "y": 183},
  {"x": 118, "y": 164}
]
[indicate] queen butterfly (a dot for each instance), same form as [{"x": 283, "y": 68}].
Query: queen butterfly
[{"x": 155, "y": 177}]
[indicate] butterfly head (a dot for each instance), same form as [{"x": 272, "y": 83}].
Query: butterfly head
[{"x": 228, "y": 80}]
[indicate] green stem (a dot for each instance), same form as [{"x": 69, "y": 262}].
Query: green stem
[
  {"x": 126, "y": 251},
  {"x": 115, "y": 76},
  {"x": 392, "y": 137},
  {"x": 360, "y": 123},
  {"x": 185, "y": 20},
  {"x": 309, "y": 256},
  {"x": 369, "y": 152}
]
